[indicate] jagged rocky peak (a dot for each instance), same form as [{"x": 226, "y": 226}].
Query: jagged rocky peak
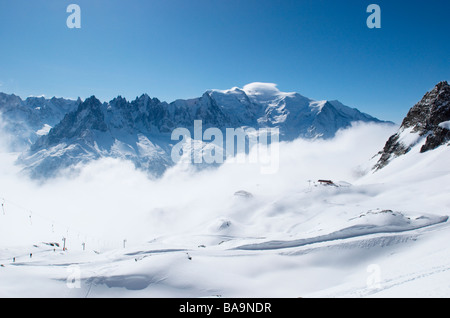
[
  {"x": 119, "y": 102},
  {"x": 87, "y": 116},
  {"x": 433, "y": 109},
  {"x": 89, "y": 112},
  {"x": 143, "y": 102},
  {"x": 8, "y": 99},
  {"x": 428, "y": 119}
]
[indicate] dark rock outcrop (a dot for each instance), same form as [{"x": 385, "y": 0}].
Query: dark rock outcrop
[{"x": 424, "y": 119}]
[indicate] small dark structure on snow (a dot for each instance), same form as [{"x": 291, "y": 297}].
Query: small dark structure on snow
[{"x": 327, "y": 183}]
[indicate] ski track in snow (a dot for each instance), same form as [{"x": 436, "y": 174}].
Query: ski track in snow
[{"x": 388, "y": 284}]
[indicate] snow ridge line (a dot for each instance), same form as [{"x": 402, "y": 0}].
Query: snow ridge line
[{"x": 346, "y": 233}]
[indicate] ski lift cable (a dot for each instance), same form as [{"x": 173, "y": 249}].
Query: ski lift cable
[{"x": 32, "y": 214}]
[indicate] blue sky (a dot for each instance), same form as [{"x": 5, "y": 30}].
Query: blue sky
[{"x": 174, "y": 49}]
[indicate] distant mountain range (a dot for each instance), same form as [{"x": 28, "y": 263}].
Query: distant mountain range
[
  {"x": 24, "y": 121},
  {"x": 57, "y": 133}
]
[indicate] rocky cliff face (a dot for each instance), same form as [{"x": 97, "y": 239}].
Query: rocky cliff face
[{"x": 425, "y": 120}]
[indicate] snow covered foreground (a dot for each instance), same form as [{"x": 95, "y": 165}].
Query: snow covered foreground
[{"x": 382, "y": 234}]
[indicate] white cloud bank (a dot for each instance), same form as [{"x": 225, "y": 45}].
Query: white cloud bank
[{"x": 110, "y": 200}]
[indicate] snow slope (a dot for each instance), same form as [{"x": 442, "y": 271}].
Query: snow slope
[
  {"x": 192, "y": 234},
  {"x": 445, "y": 125}
]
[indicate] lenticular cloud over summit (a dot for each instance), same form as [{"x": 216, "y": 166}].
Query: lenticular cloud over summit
[{"x": 259, "y": 88}]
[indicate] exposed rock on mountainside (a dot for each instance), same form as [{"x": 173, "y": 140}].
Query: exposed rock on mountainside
[{"x": 426, "y": 120}]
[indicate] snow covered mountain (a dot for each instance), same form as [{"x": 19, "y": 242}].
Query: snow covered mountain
[
  {"x": 140, "y": 130},
  {"x": 427, "y": 125},
  {"x": 24, "y": 121},
  {"x": 226, "y": 232},
  {"x": 232, "y": 232},
  {"x": 94, "y": 130},
  {"x": 295, "y": 115}
]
